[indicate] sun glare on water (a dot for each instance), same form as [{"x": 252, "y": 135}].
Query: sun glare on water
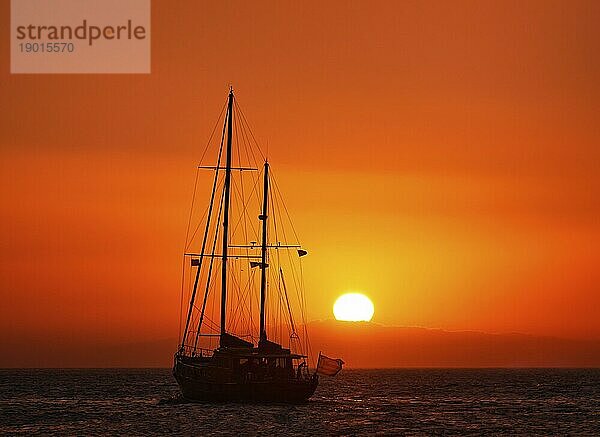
[{"x": 353, "y": 307}]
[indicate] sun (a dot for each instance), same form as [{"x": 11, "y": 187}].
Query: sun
[{"x": 353, "y": 307}]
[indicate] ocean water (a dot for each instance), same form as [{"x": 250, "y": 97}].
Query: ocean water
[{"x": 356, "y": 402}]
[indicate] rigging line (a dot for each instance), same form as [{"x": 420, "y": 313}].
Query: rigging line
[
  {"x": 251, "y": 287},
  {"x": 234, "y": 311},
  {"x": 185, "y": 247},
  {"x": 275, "y": 208},
  {"x": 208, "y": 321},
  {"x": 246, "y": 144},
  {"x": 241, "y": 181},
  {"x": 276, "y": 308},
  {"x": 276, "y": 213},
  {"x": 240, "y": 299},
  {"x": 250, "y": 146},
  {"x": 285, "y": 208},
  {"x": 298, "y": 292},
  {"x": 289, "y": 321},
  {"x": 187, "y": 232},
  {"x": 245, "y": 120},
  {"x": 231, "y": 294},
  {"x": 237, "y": 142},
  {"x": 249, "y": 151},
  {"x": 287, "y": 301},
  {"x": 302, "y": 292},
  {"x": 274, "y": 220},
  {"x": 189, "y": 334},
  {"x": 244, "y": 312},
  {"x": 241, "y": 220},
  {"x": 301, "y": 289},
  {"x": 214, "y": 301},
  {"x": 278, "y": 203},
  {"x": 247, "y": 252},
  {"x": 179, "y": 332},
  {"x": 233, "y": 208},
  {"x": 239, "y": 128},
  {"x": 244, "y": 202},
  {"x": 211, "y": 324},
  {"x": 197, "y": 170},
  {"x": 196, "y": 180},
  {"x": 197, "y": 228},
  {"x": 296, "y": 282},
  {"x": 244, "y": 295},
  {"x": 247, "y": 140},
  {"x": 213, "y": 132},
  {"x": 245, "y": 205},
  {"x": 244, "y": 140},
  {"x": 304, "y": 314},
  {"x": 243, "y": 208},
  {"x": 299, "y": 295},
  {"x": 281, "y": 319},
  {"x": 212, "y": 197},
  {"x": 210, "y": 268}
]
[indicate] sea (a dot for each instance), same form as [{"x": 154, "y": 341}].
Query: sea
[{"x": 356, "y": 402}]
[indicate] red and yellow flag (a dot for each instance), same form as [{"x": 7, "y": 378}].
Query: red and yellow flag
[{"x": 328, "y": 366}]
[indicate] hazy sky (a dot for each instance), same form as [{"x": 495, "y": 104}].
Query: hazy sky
[{"x": 442, "y": 157}]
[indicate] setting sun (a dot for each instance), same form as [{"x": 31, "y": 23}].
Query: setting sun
[{"x": 353, "y": 307}]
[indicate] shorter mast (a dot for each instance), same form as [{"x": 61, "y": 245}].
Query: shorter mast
[{"x": 263, "y": 264}]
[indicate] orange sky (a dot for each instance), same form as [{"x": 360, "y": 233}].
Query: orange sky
[{"x": 440, "y": 156}]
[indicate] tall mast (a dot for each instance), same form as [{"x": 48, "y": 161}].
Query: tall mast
[
  {"x": 202, "y": 250},
  {"x": 226, "y": 212},
  {"x": 263, "y": 264}
]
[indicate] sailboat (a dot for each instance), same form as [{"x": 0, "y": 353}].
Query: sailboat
[{"x": 240, "y": 274}]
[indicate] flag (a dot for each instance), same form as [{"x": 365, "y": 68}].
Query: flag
[
  {"x": 257, "y": 264},
  {"x": 328, "y": 366}
]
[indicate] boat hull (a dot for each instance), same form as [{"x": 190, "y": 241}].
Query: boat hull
[{"x": 199, "y": 388}]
